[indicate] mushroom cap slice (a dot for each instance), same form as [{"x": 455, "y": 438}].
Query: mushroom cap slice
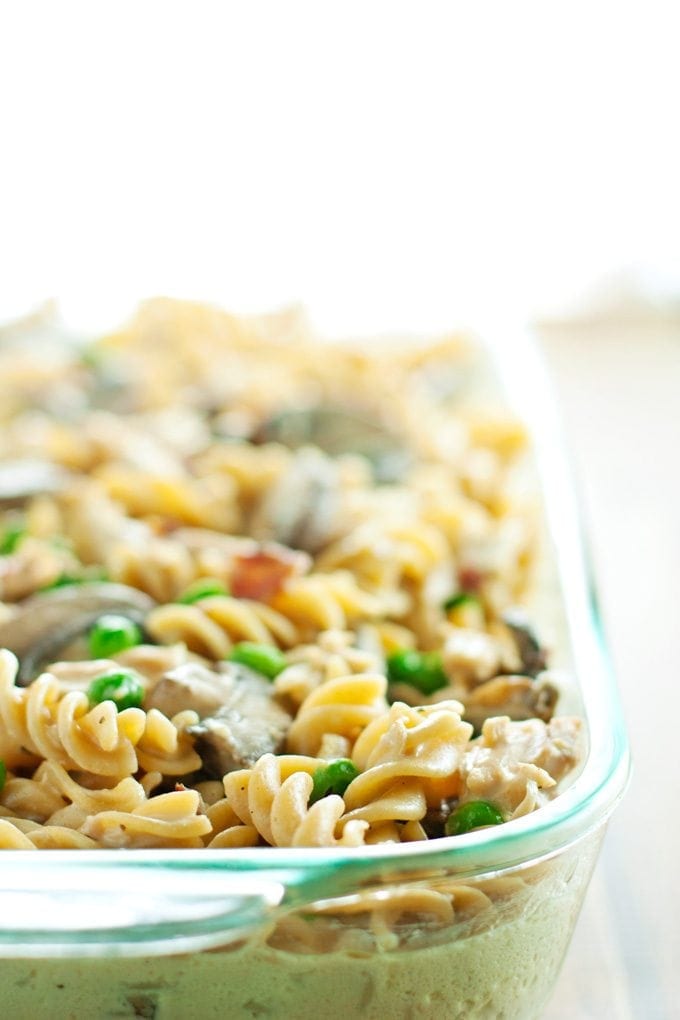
[
  {"x": 46, "y": 623},
  {"x": 531, "y": 653},
  {"x": 249, "y": 723},
  {"x": 24, "y": 478},
  {"x": 336, "y": 432}
]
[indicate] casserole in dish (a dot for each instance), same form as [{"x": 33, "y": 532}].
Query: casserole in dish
[{"x": 270, "y": 618}]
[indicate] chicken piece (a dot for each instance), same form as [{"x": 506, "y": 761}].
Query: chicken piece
[
  {"x": 191, "y": 686},
  {"x": 517, "y": 766},
  {"x": 77, "y": 676},
  {"x": 557, "y": 746},
  {"x": 154, "y": 661},
  {"x": 518, "y": 697},
  {"x": 471, "y": 657},
  {"x": 32, "y": 567}
]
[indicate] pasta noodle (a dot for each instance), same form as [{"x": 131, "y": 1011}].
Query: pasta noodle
[
  {"x": 273, "y": 798},
  {"x": 212, "y": 626},
  {"x": 344, "y": 706}
]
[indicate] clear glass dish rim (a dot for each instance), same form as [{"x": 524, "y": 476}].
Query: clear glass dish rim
[{"x": 584, "y": 806}]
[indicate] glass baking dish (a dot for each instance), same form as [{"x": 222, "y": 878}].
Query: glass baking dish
[{"x": 468, "y": 926}]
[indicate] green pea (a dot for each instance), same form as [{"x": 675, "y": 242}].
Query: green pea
[
  {"x": 124, "y": 688},
  {"x": 62, "y": 582},
  {"x": 112, "y": 633},
  {"x": 10, "y": 539},
  {"x": 265, "y": 659},
  {"x": 3, "y": 773},
  {"x": 203, "y": 588},
  {"x": 91, "y": 357},
  {"x": 333, "y": 778},
  {"x": 463, "y": 598},
  {"x": 403, "y": 665},
  {"x": 475, "y": 814},
  {"x": 61, "y": 542},
  {"x": 422, "y": 670},
  {"x": 89, "y": 576}
]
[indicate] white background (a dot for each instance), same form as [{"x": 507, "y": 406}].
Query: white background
[{"x": 392, "y": 164}]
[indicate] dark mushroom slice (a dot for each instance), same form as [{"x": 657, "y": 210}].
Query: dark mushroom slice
[
  {"x": 47, "y": 623},
  {"x": 250, "y": 723},
  {"x": 434, "y": 821},
  {"x": 532, "y": 655},
  {"x": 24, "y": 478},
  {"x": 337, "y": 432},
  {"x": 302, "y": 510},
  {"x": 519, "y": 697}
]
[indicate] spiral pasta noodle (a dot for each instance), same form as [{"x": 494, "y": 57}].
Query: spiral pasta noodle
[
  {"x": 47, "y": 723},
  {"x": 331, "y": 601},
  {"x": 161, "y": 568},
  {"x": 333, "y": 655},
  {"x": 211, "y": 627},
  {"x": 344, "y": 706},
  {"x": 208, "y": 502},
  {"x": 169, "y": 819},
  {"x": 273, "y": 798}
]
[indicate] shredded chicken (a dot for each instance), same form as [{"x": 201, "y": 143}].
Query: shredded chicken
[{"x": 513, "y": 761}]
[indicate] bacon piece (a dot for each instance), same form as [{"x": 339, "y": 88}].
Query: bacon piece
[
  {"x": 470, "y": 579},
  {"x": 262, "y": 574}
]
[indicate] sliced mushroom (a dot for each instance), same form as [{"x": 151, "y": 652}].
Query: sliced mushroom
[
  {"x": 302, "y": 510},
  {"x": 532, "y": 655},
  {"x": 337, "y": 432},
  {"x": 20, "y": 480},
  {"x": 518, "y": 697},
  {"x": 434, "y": 821},
  {"x": 46, "y": 623},
  {"x": 250, "y": 723}
]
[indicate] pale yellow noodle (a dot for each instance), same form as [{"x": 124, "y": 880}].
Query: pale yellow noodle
[
  {"x": 273, "y": 798},
  {"x": 167, "y": 820},
  {"x": 213, "y": 625},
  {"x": 342, "y": 706}
]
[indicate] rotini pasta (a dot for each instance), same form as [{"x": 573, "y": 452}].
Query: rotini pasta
[
  {"x": 273, "y": 797},
  {"x": 213, "y": 625},
  {"x": 344, "y": 706}
]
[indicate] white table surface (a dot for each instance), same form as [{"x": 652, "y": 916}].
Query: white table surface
[{"x": 619, "y": 387}]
